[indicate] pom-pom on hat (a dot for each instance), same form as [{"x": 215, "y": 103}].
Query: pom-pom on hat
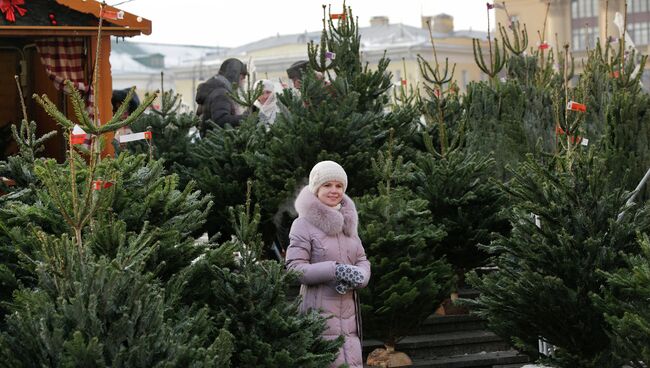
[{"x": 325, "y": 171}]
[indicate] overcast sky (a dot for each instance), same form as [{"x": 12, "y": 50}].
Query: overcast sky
[{"x": 232, "y": 23}]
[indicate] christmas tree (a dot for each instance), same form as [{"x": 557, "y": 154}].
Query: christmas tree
[
  {"x": 454, "y": 181},
  {"x": 221, "y": 163},
  {"x": 101, "y": 312},
  {"x": 625, "y": 306},
  {"x": 172, "y": 133},
  {"x": 517, "y": 114},
  {"x": 465, "y": 202},
  {"x": 400, "y": 239},
  {"x": 567, "y": 230}
]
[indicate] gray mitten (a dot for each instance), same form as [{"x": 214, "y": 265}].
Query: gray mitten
[
  {"x": 349, "y": 274},
  {"x": 342, "y": 287}
]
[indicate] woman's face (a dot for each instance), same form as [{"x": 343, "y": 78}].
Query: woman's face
[
  {"x": 264, "y": 96},
  {"x": 331, "y": 193}
]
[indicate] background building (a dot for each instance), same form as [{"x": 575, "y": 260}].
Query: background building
[
  {"x": 187, "y": 66},
  {"x": 581, "y": 23}
]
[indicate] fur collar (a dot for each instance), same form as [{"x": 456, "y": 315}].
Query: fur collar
[{"x": 329, "y": 220}]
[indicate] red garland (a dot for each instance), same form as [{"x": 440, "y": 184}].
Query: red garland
[{"x": 8, "y": 7}]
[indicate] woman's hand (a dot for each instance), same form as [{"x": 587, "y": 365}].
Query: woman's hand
[{"x": 347, "y": 277}]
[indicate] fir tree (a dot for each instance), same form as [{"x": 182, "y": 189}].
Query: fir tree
[
  {"x": 19, "y": 168},
  {"x": 222, "y": 162},
  {"x": 173, "y": 133},
  {"x": 100, "y": 312},
  {"x": 507, "y": 121},
  {"x": 625, "y": 305},
  {"x": 547, "y": 274},
  {"x": 455, "y": 182},
  {"x": 92, "y": 299},
  {"x": 464, "y": 201},
  {"x": 400, "y": 240},
  {"x": 339, "y": 52},
  {"x": 518, "y": 114}
]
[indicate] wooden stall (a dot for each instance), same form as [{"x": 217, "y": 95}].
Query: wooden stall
[{"x": 44, "y": 42}]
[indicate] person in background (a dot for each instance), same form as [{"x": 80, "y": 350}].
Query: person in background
[
  {"x": 117, "y": 98},
  {"x": 325, "y": 249},
  {"x": 267, "y": 103},
  {"x": 212, "y": 95},
  {"x": 296, "y": 72}
]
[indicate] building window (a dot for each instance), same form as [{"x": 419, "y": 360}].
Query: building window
[
  {"x": 584, "y": 8},
  {"x": 638, "y": 6},
  {"x": 640, "y": 32},
  {"x": 584, "y": 37}
]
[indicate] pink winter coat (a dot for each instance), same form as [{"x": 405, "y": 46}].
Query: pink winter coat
[{"x": 320, "y": 237}]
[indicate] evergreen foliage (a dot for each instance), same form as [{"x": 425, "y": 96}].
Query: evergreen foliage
[
  {"x": 454, "y": 181},
  {"x": 140, "y": 197},
  {"x": 341, "y": 40},
  {"x": 624, "y": 116},
  {"x": 20, "y": 168},
  {"x": 83, "y": 117},
  {"x": 507, "y": 121},
  {"x": 222, "y": 162},
  {"x": 625, "y": 305},
  {"x": 400, "y": 239},
  {"x": 100, "y": 312},
  {"x": 248, "y": 297},
  {"x": 464, "y": 201},
  {"x": 173, "y": 133},
  {"x": 547, "y": 275}
]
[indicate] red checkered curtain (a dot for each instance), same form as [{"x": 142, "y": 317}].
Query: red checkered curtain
[{"x": 64, "y": 59}]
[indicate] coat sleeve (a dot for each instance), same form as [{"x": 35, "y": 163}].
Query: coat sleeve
[
  {"x": 220, "y": 111},
  {"x": 363, "y": 263},
  {"x": 299, "y": 256}
]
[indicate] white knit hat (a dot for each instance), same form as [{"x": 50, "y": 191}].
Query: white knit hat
[{"x": 325, "y": 171}]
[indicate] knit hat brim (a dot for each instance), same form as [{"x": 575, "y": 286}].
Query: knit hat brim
[{"x": 325, "y": 171}]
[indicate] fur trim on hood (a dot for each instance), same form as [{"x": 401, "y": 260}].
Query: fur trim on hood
[{"x": 330, "y": 220}]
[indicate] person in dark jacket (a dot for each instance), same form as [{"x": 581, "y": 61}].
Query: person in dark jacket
[
  {"x": 296, "y": 71},
  {"x": 212, "y": 95}
]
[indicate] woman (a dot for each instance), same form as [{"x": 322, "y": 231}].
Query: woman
[
  {"x": 267, "y": 103},
  {"x": 325, "y": 249}
]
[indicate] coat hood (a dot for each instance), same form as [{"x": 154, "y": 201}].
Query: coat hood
[
  {"x": 232, "y": 69},
  {"x": 331, "y": 221}
]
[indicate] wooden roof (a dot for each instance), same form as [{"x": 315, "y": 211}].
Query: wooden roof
[{"x": 74, "y": 17}]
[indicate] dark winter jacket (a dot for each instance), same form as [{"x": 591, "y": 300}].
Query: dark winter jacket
[
  {"x": 212, "y": 95},
  {"x": 320, "y": 238}
]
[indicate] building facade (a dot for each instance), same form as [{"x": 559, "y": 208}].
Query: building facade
[
  {"x": 271, "y": 56},
  {"x": 580, "y": 23}
]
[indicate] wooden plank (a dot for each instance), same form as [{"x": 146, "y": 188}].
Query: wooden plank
[
  {"x": 129, "y": 20},
  {"x": 54, "y": 31},
  {"x": 9, "y": 103}
]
